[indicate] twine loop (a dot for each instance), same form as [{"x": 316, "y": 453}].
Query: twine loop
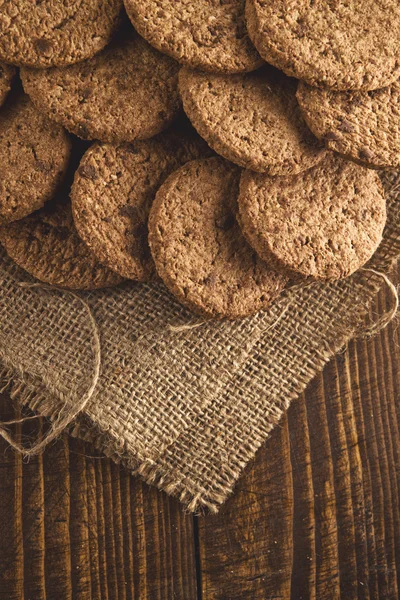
[
  {"x": 388, "y": 316},
  {"x": 67, "y": 413}
]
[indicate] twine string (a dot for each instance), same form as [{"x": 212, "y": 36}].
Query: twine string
[
  {"x": 187, "y": 327},
  {"x": 388, "y": 316},
  {"x": 67, "y": 413}
]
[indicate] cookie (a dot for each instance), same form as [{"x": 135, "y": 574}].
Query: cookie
[
  {"x": 252, "y": 119},
  {"x": 340, "y": 44},
  {"x": 47, "y": 33},
  {"x": 48, "y": 247},
  {"x": 362, "y": 126},
  {"x": 207, "y": 34},
  {"x": 112, "y": 193},
  {"x": 324, "y": 223},
  {"x": 7, "y": 73},
  {"x": 198, "y": 248},
  {"x": 34, "y": 155},
  {"x": 129, "y": 91}
]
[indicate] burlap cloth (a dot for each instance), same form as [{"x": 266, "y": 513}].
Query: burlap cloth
[{"x": 184, "y": 404}]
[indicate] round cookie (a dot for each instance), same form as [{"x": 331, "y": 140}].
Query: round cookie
[
  {"x": 206, "y": 34},
  {"x": 34, "y": 155},
  {"x": 7, "y": 73},
  {"x": 362, "y": 126},
  {"x": 46, "y": 33},
  {"x": 324, "y": 223},
  {"x": 129, "y": 91},
  {"x": 112, "y": 193},
  {"x": 340, "y": 44},
  {"x": 252, "y": 119},
  {"x": 198, "y": 248},
  {"x": 48, "y": 247}
]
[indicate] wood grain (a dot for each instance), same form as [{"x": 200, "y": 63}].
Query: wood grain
[
  {"x": 73, "y": 525},
  {"x": 315, "y": 516}
]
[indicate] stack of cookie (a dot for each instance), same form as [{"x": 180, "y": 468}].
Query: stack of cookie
[{"x": 266, "y": 179}]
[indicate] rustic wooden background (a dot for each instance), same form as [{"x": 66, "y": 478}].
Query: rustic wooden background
[{"x": 315, "y": 516}]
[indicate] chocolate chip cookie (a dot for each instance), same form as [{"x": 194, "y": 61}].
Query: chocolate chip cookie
[
  {"x": 48, "y": 247},
  {"x": 362, "y": 126},
  {"x": 252, "y": 119},
  {"x": 207, "y": 34},
  {"x": 34, "y": 156},
  {"x": 46, "y": 33},
  {"x": 129, "y": 91},
  {"x": 324, "y": 223},
  {"x": 340, "y": 44}
]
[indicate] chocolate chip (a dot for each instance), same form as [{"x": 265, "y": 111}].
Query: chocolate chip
[
  {"x": 88, "y": 171},
  {"x": 332, "y": 136},
  {"x": 374, "y": 93},
  {"x": 211, "y": 280},
  {"x": 302, "y": 28},
  {"x": 214, "y": 31},
  {"x": 365, "y": 154},
  {"x": 86, "y": 92},
  {"x": 355, "y": 100},
  {"x": 346, "y": 126},
  {"x": 43, "y": 45},
  {"x": 42, "y": 166}
]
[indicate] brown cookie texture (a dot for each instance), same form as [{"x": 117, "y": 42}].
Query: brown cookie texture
[
  {"x": 129, "y": 91},
  {"x": 198, "y": 248},
  {"x": 324, "y": 223},
  {"x": 34, "y": 156},
  {"x": 251, "y": 119},
  {"x": 47, "y": 246},
  {"x": 206, "y": 34},
  {"x": 7, "y": 73},
  {"x": 340, "y": 44},
  {"x": 49, "y": 33},
  {"x": 112, "y": 193},
  {"x": 362, "y": 126}
]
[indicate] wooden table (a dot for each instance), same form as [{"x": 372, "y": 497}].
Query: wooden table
[{"x": 315, "y": 516}]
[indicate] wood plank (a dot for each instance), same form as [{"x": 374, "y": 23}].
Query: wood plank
[
  {"x": 111, "y": 566},
  {"x": 127, "y": 530},
  {"x": 33, "y": 519},
  {"x": 57, "y": 492},
  {"x": 81, "y": 583},
  {"x": 163, "y": 550},
  {"x": 104, "y": 561},
  {"x": 354, "y": 432},
  {"x": 93, "y": 529},
  {"x": 327, "y": 583},
  {"x": 304, "y": 556},
  {"x": 11, "y": 545},
  {"x": 246, "y": 551}
]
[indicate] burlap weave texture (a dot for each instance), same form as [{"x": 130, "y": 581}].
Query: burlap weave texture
[{"x": 184, "y": 403}]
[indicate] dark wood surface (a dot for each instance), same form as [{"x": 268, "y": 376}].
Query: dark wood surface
[{"x": 316, "y": 515}]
